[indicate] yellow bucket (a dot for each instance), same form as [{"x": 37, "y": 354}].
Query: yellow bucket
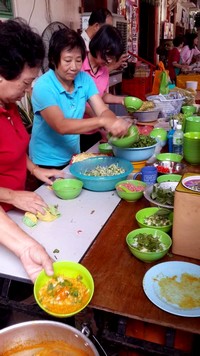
[{"x": 137, "y": 166}]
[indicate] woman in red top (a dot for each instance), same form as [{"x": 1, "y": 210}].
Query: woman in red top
[
  {"x": 22, "y": 53},
  {"x": 174, "y": 59}
]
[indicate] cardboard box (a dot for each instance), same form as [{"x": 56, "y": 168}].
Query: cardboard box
[{"x": 186, "y": 224}]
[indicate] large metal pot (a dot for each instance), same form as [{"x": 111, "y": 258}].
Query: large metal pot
[{"x": 32, "y": 333}]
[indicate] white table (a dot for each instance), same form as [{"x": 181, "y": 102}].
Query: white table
[{"x": 71, "y": 234}]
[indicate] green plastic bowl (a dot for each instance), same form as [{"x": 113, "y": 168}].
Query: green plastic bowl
[
  {"x": 149, "y": 256},
  {"x": 127, "y": 140},
  {"x": 67, "y": 188},
  {"x": 130, "y": 196},
  {"x": 132, "y": 103},
  {"x": 169, "y": 178},
  {"x": 173, "y": 157},
  {"x": 105, "y": 148},
  {"x": 68, "y": 269},
  {"x": 146, "y": 212}
]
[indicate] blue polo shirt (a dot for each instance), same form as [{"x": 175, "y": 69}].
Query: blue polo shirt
[{"x": 47, "y": 147}]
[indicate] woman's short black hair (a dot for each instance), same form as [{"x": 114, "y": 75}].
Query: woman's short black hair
[
  {"x": 64, "y": 39},
  {"x": 189, "y": 39},
  {"x": 99, "y": 16},
  {"x": 107, "y": 41},
  {"x": 177, "y": 41},
  {"x": 19, "y": 46}
]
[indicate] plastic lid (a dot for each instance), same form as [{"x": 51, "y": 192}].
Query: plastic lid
[{"x": 179, "y": 126}]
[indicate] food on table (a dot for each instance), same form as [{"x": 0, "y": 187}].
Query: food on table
[
  {"x": 111, "y": 170},
  {"x": 183, "y": 291},
  {"x": 30, "y": 219},
  {"x": 160, "y": 218},
  {"x": 51, "y": 213},
  {"x": 64, "y": 295},
  {"x": 147, "y": 243},
  {"x": 130, "y": 187},
  {"x": 147, "y": 105},
  {"x": 84, "y": 155},
  {"x": 144, "y": 141},
  {"x": 163, "y": 196}
]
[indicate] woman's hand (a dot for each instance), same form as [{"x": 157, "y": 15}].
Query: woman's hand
[
  {"x": 27, "y": 201},
  {"x": 117, "y": 127},
  {"x": 34, "y": 259},
  {"x": 45, "y": 174}
]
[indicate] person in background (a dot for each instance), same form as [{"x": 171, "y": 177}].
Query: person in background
[
  {"x": 22, "y": 52},
  {"x": 59, "y": 99},
  {"x": 105, "y": 47},
  {"x": 163, "y": 50},
  {"x": 97, "y": 19},
  {"x": 174, "y": 59},
  {"x": 190, "y": 49}
]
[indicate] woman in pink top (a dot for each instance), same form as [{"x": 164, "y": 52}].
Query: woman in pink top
[
  {"x": 105, "y": 47},
  {"x": 190, "y": 50}
]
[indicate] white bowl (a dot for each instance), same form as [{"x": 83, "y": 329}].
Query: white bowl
[{"x": 146, "y": 116}]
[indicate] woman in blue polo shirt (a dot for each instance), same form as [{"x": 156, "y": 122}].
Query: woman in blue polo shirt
[{"x": 59, "y": 99}]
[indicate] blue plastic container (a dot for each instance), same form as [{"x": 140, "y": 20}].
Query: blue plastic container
[{"x": 100, "y": 183}]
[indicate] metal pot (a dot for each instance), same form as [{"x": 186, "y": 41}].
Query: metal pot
[
  {"x": 146, "y": 116},
  {"x": 34, "y": 332}
]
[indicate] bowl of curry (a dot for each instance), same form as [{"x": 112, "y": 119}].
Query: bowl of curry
[{"x": 65, "y": 293}]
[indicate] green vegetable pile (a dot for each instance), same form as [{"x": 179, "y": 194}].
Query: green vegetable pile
[
  {"x": 144, "y": 141},
  {"x": 147, "y": 243},
  {"x": 160, "y": 218},
  {"x": 162, "y": 196}
]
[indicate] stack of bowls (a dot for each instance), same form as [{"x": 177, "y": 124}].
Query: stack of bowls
[
  {"x": 192, "y": 124},
  {"x": 137, "y": 166},
  {"x": 191, "y": 147},
  {"x": 188, "y": 110}
]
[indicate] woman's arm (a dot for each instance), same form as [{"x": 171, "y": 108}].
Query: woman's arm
[
  {"x": 43, "y": 174},
  {"x": 104, "y": 118},
  {"x": 33, "y": 256}
]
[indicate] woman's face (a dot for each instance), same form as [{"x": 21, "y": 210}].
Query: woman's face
[
  {"x": 104, "y": 62},
  {"x": 14, "y": 90},
  {"x": 70, "y": 65},
  {"x": 195, "y": 41}
]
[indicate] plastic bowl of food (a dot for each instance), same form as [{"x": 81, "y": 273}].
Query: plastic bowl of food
[
  {"x": 67, "y": 188},
  {"x": 169, "y": 167},
  {"x": 148, "y": 244},
  {"x": 154, "y": 217},
  {"x": 135, "y": 154},
  {"x": 105, "y": 148},
  {"x": 173, "y": 157},
  {"x": 71, "y": 279},
  {"x": 146, "y": 116},
  {"x": 127, "y": 140},
  {"x": 102, "y": 173},
  {"x": 161, "y": 194},
  {"x": 132, "y": 103},
  {"x": 169, "y": 178},
  {"x": 130, "y": 190}
]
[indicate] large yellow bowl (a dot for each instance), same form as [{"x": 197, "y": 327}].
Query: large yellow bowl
[{"x": 69, "y": 270}]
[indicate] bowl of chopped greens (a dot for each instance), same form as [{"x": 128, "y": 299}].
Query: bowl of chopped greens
[
  {"x": 154, "y": 217},
  {"x": 148, "y": 244},
  {"x": 101, "y": 173},
  {"x": 141, "y": 150},
  {"x": 161, "y": 194}
]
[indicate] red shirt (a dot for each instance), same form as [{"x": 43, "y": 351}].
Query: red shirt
[
  {"x": 14, "y": 141},
  {"x": 174, "y": 56}
]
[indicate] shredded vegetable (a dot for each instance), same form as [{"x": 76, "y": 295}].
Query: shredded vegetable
[{"x": 111, "y": 170}]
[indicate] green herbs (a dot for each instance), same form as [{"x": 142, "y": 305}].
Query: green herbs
[
  {"x": 163, "y": 196},
  {"x": 160, "y": 218},
  {"x": 144, "y": 141},
  {"x": 147, "y": 243},
  {"x": 99, "y": 171}
]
